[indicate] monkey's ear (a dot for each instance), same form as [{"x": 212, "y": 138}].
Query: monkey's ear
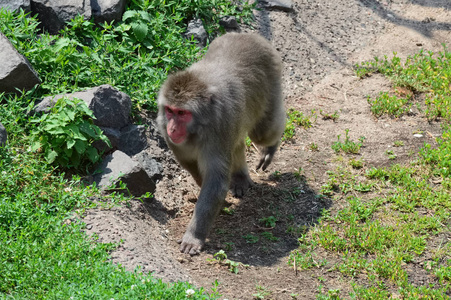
[{"x": 210, "y": 95}]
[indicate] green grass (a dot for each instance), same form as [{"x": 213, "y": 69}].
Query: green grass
[
  {"x": 348, "y": 146},
  {"x": 387, "y": 220},
  {"x": 424, "y": 72},
  {"x": 44, "y": 252},
  {"x": 134, "y": 56},
  {"x": 297, "y": 118},
  {"x": 390, "y": 105}
]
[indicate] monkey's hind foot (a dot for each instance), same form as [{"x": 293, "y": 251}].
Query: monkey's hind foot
[
  {"x": 240, "y": 183},
  {"x": 190, "y": 245},
  {"x": 266, "y": 156}
]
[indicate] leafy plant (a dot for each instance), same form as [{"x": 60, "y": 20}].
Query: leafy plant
[
  {"x": 251, "y": 238},
  {"x": 297, "y": 118},
  {"x": 329, "y": 116},
  {"x": 398, "y": 143},
  {"x": 391, "y": 105},
  {"x": 348, "y": 146},
  {"x": 221, "y": 258},
  {"x": 269, "y": 222},
  {"x": 269, "y": 236},
  {"x": 261, "y": 293},
  {"x": 65, "y": 135}
]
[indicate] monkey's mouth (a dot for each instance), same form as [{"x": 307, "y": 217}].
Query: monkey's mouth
[{"x": 177, "y": 139}]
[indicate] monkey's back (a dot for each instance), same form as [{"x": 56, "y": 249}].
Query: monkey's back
[{"x": 247, "y": 70}]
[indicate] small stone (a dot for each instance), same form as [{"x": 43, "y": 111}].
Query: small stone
[{"x": 418, "y": 135}]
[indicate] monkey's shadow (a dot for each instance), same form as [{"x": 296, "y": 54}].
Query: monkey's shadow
[{"x": 266, "y": 223}]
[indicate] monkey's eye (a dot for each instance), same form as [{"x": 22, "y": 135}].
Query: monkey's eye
[
  {"x": 169, "y": 111},
  {"x": 181, "y": 112}
]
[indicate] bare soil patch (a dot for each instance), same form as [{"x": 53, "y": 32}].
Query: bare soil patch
[{"x": 319, "y": 42}]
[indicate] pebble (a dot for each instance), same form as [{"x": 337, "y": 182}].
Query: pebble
[{"x": 418, "y": 135}]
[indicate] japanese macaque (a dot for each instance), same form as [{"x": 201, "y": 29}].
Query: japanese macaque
[{"x": 206, "y": 112}]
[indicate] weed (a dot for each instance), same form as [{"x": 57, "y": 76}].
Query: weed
[
  {"x": 313, "y": 147},
  {"x": 391, "y": 155},
  {"x": 269, "y": 222},
  {"x": 329, "y": 116},
  {"x": 348, "y": 146},
  {"x": 398, "y": 143},
  {"x": 66, "y": 134},
  {"x": 356, "y": 163},
  {"x": 269, "y": 236},
  {"x": 299, "y": 174},
  {"x": 391, "y": 105},
  {"x": 228, "y": 210},
  {"x": 297, "y": 118},
  {"x": 261, "y": 293},
  {"x": 221, "y": 258},
  {"x": 251, "y": 238}
]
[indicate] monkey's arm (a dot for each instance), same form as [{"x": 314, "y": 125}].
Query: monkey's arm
[{"x": 211, "y": 198}]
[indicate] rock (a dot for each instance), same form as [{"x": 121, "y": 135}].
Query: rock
[
  {"x": 197, "y": 31},
  {"x": 3, "y": 135},
  {"x": 418, "y": 135},
  {"x": 153, "y": 168},
  {"x": 107, "y": 10},
  {"x": 132, "y": 139},
  {"x": 229, "y": 23},
  {"x": 284, "y": 5},
  {"x": 15, "y": 5},
  {"x": 110, "y": 106},
  {"x": 15, "y": 71},
  {"x": 113, "y": 135},
  {"x": 54, "y": 14},
  {"x": 118, "y": 166}
]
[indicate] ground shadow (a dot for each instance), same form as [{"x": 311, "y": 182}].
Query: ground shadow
[
  {"x": 425, "y": 26},
  {"x": 265, "y": 225}
]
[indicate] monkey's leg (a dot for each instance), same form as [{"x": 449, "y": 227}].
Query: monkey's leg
[
  {"x": 211, "y": 198},
  {"x": 241, "y": 181},
  {"x": 193, "y": 169},
  {"x": 267, "y": 135}
]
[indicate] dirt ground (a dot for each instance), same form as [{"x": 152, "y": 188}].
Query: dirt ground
[{"x": 319, "y": 41}]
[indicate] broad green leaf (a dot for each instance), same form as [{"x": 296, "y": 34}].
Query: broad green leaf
[
  {"x": 70, "y": 143},
  {"x": 50, "y": 156},
  {"x": 93, "y": 155},
  {"x": 87, "y": 128},
  {"x": 145, "y": 15},
  {"x": 129, "y": 14},
  {"x": 140, "y": 30},
  {"x": 80, "y": 146},
  {"x": 35, "y": 146}
]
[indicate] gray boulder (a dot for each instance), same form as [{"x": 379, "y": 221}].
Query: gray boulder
[
  {"x": 118, "y": 166},
  {"x": 54, "y": 14},
  {"x": 15, "y": 71},
  {"x": 14, "y": 5},
  {"x": 229, "y": 23},
  {"x": 152, "y": 167},
  {"x": 3, "y": 135},
  {"x": 107, "y": 10},
  {"x": 113, "y": 135},
  {"x": 197, "y": 31},
  {"x": 133, "y": 139},
  {"x": 110, "y": 106},
  {"x": 284, "y": 5}
]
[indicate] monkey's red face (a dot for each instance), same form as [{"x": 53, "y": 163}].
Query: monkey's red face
[{"x": 177, "y": 121}]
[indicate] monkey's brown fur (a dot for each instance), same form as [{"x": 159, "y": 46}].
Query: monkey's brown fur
[{"x": 234, "y": 91}]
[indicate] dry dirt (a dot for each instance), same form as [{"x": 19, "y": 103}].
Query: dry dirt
[{"x": 319, "y": 41}]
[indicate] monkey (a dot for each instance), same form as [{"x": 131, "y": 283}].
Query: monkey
[{"x": 205, "y": 113}]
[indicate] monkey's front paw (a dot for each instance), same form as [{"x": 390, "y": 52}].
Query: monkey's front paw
[{"x": 190, "y": 245}]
